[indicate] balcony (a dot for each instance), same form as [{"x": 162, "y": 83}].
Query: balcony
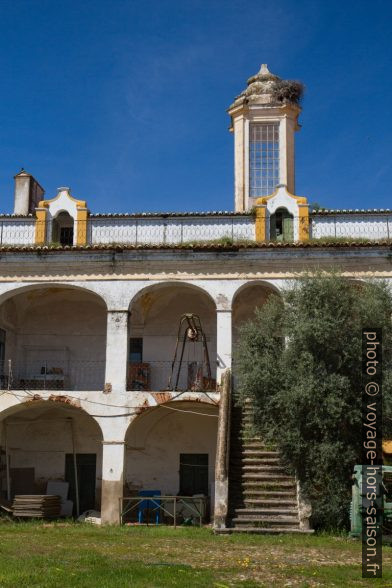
[
  {"x": 159, "y": 376},
  {"x": 52, "y": 375}
]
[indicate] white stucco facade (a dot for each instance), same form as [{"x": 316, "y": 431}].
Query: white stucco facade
[
  {"x": 57, "y": 311},
  {"x": 100, "y": 370}
]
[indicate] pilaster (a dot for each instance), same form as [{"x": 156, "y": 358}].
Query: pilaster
[{"x": 116, "y": 351}]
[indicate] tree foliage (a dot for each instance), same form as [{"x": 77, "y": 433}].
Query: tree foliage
[{"x": 299, "y": 360}]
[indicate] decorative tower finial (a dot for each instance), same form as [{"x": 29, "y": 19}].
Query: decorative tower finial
[{"x": 264, "y": 69}]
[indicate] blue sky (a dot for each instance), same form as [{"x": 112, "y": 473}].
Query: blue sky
[{"x": 125, "y": 101}]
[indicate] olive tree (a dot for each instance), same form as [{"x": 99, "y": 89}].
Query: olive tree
[{"x": 299, "y": 361}]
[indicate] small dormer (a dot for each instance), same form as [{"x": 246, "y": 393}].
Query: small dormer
[
  {"x": 282, "y": 217},
  {"x": 62, "y": 220}
]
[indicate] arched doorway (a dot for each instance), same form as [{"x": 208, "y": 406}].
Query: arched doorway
[
  {"x": 249, "y": 297},
  {"x": 281, "y": 225},
  {"x": 245, "y": 302},
  {"x": 46, "y": 442},
  {"x": 53, "y": 337},
  {"x": 63, "y": 228},
  {"x": 154, "y": 336}
]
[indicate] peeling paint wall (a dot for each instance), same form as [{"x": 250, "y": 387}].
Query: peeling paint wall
[
  {"x": 155, "y": 317},
  {"x": 156, "y": 439},
  {"x": 40, "y": 437},
  {"x": 57, "y": 328}
]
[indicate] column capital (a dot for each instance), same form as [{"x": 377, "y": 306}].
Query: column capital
[{"x": 112, "y": 442}]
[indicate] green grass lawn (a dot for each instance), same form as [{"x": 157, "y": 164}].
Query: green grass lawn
[{"x": 58, "y": 555}]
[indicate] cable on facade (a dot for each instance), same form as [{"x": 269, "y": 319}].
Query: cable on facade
[
  {"x": 164, "y": 405},
  {"x": 191, "y": 411}
]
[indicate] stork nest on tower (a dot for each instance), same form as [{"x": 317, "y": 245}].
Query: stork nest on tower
[{"x": 288, "y": 91}]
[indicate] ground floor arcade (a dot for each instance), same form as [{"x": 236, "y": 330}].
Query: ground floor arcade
[
  {"x": 168, "y": 449},
  {"x": 112, "y": 391}
]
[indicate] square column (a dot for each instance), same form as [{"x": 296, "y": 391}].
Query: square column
[
  {"x": 113, "y": 458},
  {"x": 116, "y": 351},
  {"x": 223, "y": 342}
]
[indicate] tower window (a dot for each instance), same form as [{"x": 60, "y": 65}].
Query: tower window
[{"x": 263, "y": 158}]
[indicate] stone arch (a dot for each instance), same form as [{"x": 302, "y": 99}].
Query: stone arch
[
  {"x": 15, "y": 289},
  {"x": 171, "y": 283},
  {"x": 246, "y": 299},
  {"x": 160, "y": 436},
  {"x": 39, "y": 438},
  {"x": 55, "y": 337},
  {"x": 155, "y": 314}
]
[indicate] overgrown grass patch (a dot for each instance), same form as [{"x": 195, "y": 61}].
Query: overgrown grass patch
[{"x": 67, "y": 555}]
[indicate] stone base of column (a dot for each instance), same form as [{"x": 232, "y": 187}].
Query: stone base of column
[
  {"x": 221, "y": 503},
  {"x": 112, "y": 481},
  {"x": 112, "y": 491}
]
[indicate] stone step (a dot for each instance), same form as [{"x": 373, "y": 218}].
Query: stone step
[
  {"x": 265, "y": 521},
  {"x": 256, "y": 464},
  {"x": 253, "y": 458},
  {"x": 269, "y": 494},
  {"x": 260, "y": 512},
  {"x": 254, "y": 447},
  {"x": 261, "y": 484},
  {"x": 263, "y": 461},
  {"x": 260, "y": 453},
  {"x": 273, "y": 469},
  {"x": 252, "y": 440},
  {"x": 267, "y": 503},
  {"x": 262, "y": 530},
  {"x": 267, "y": 477}
]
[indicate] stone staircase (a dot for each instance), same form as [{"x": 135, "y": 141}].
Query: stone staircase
[{"x": 262, "y": 496}]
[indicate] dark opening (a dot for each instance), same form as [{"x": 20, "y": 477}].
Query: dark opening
[
  {"x": 281, "y": 225},
  {"x": 193, "y": 474},
  {"x": 135, "y": 350},
  {"x": 86, "y": 465},
  {"x": 66, "y": 235},
  {"x": 63, "y": 229}
]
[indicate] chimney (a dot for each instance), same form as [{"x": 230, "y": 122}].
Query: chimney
[{"x": 28, "y": 193}]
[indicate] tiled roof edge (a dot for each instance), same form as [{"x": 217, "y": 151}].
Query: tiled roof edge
[
  {"x": 326, "y": 211},
  {"x": 197, "y": 247},
  {"x": 26, "y": 216}
]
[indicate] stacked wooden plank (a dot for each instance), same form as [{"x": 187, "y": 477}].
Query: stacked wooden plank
[{"x": 36, "y": 506}]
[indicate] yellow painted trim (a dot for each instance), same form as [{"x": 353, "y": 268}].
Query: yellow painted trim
[
  {"x": 81, "y": 226},
  {"x": 303, "y": 220},
  {"x": 387, "y": 446},
  {"x": 40, "y": 227},
  {"x": 260, "y": 223},
  {"x": 303, "y": 213}
]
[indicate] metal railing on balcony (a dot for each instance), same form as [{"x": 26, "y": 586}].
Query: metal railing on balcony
[
  {"x": 52, "y": 374},
  {"x": 159, "y": 376}
]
